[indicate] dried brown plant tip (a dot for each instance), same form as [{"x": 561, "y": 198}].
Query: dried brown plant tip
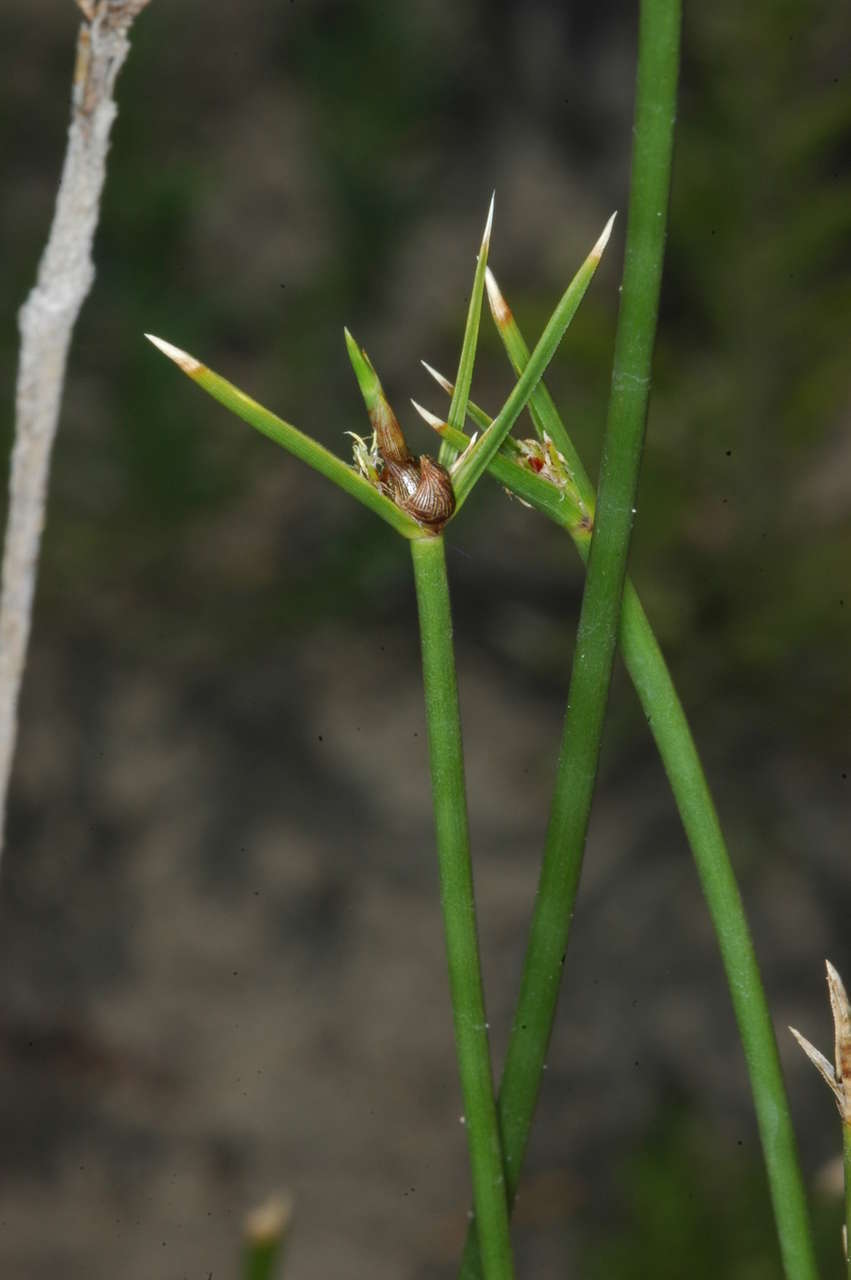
[{"x": 837, "y": 1077}]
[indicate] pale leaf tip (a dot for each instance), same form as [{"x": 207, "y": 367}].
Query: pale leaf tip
[
  {"x": 267, "y": 1224},
  {"x": 822, "y": 1066},
  {"x": 486, "y": 238},
  {"x": 181, "y": 358},
  {"x": 431, "y": 418},
  {"x": 597, "y": 251},
  {"x": 498, "y": 305},
  {"x": 464, "y": 457},
  {"x": 438, "y": 377},
  {"x": 833, "y": 976}
]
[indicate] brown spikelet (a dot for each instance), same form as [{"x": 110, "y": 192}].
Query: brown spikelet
[
  {"x": 434, "y": 499},
  {"x": 388, "y": 434}
]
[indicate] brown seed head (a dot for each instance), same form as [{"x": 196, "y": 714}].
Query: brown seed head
[{"x": 434, "y": 500}]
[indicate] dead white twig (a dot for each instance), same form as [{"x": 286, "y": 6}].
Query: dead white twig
[{"x": 46, "y": 321}]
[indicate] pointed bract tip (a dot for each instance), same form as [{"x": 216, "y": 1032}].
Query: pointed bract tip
[
  {"x": 597, "y": 251},
  {"x": 181, "y": 358},
  {"x": 823, "y": 1067},
  {"x": 464, "y": 457},
  {"x": 368, "y": 380},
  {"x": 431, "y": 418},
  {"x": 499, "y": 307},
  {"x": 438, "y": 377},
  {"x": 486, "y": 238},
  {"x": 352, "y": 347}
]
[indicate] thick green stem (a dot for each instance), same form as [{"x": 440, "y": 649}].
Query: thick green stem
[{"x": 456, "y": 890}]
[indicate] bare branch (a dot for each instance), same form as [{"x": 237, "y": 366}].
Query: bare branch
[{"x": 46, "y": 322}]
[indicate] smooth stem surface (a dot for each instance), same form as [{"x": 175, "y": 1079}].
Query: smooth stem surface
[
  {"x": 668, "y": 724},
  {"x": 262, "y": 1261},
  {"x": 655, "y": 110},
  {"x": 694, "y": 801},
  {"x": 456, "y": 892},
  {"x": 670, "y": 728}
]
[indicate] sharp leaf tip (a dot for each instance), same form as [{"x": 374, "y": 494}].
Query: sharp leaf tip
[
  {"x": 597, "y": 251},
  {"x": 181, "y": 358},
  {"x": 498, "y": 305}
]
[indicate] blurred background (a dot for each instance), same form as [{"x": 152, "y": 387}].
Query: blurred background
[{"x": 221, "y": 958}]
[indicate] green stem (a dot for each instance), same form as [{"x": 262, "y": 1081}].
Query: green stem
[
  {"x": 262, "y": 1261},
  {"x": 456, "y": 890},
  {"x": 668, "y": 724},
  {"x": 846, "y": 1145},
  {"x": 655, "y": 110},
  {"x": 670, "y": 728},
  {"x": 682, "y": 764},
  {"x": 266, "y": 1232}
]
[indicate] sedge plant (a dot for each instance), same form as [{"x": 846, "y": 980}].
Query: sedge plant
[
  {"x": 560, "y": 487},
  {"x": 417, "y": 497}
]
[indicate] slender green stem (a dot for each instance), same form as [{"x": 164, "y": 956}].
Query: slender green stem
[
  {"x": 668, "y": 724},
  {"x": 655, "y": 110},
  {"x": 456, "y": 890},
  {"x": 846, "y": 1151},
  {"x": 658, "y": 57},
  {"x": 682, "y": 765},
  {"x": 261, "y": 1260}
]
